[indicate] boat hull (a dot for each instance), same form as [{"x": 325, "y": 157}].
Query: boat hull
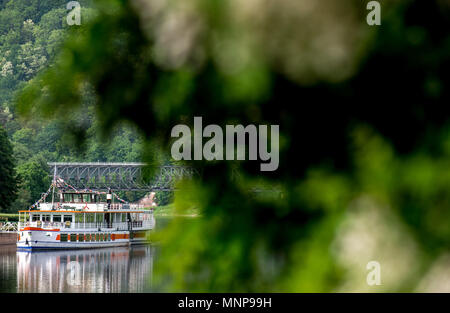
[{"x": 33, "y": 239}]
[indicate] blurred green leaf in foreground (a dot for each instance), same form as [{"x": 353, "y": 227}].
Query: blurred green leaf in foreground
[{"x": 364, "y": 149}]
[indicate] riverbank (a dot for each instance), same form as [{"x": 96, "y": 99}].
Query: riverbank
[{"x": 170, "y": 211}]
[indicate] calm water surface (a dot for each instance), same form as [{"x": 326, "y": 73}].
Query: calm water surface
[{"x": 124, "y": 269}]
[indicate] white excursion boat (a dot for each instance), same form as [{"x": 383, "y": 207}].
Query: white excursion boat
[{"x": 80, "y": 220}]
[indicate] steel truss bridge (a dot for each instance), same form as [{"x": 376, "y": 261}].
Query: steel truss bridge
[{"x": 119, "y": 176}]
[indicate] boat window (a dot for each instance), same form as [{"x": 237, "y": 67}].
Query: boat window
[
  {"x": 99, "y": 217},
  {"x": 46, "y": 218},
  {"x": 73, "y": 237},
  {"x": 68, "y": 197},
  {"x": 109, "y": 236},
  {"x": 77, "y": 198},
  {"x": 79, "y": 217},
  {"x": 57, "y": 218},
  {"x": 86, "y": 197},
  {"x": 35, "y": 218},
  {"x": 67, "y": 218},
  {"x": 81, "y": 237},
  {"x": 89, "y": 217},
  {"x": 63, "y": 237}
]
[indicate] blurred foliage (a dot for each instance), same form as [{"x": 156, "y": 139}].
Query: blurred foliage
[{"x": 363, "y": 115}]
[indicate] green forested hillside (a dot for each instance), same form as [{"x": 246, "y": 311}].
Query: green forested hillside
[
  {"x": 364, "y": 141},
  {"x": 30, "y": 32}
]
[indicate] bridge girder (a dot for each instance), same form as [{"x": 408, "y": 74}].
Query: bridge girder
[{"x": 118, "y": 176}]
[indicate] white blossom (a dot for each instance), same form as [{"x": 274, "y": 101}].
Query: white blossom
[
  {"x": 28, "y": 23},
  {"x": 7, "y": 69}
]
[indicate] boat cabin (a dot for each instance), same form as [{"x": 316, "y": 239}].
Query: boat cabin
[{"x": 84, "y": 219}]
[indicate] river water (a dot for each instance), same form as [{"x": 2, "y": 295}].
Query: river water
[
  {"x": 120, "y": 269},
  {"x": 124, "y": 269}
]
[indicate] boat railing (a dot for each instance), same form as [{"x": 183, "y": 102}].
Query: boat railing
[
  {"x": 8, "y": 226},
  {"x": 39, "y": 224},
  {"x": 112, "y": 225},
  {"x": 85, "y": 225},
  {"x": 127, "y": 206},
  {"x": 148, "y": 224},
  {"x": 116, "y": 225},
  {"x": 79, "y": 206}
]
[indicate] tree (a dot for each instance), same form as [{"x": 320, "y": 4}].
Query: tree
[
  {"x": 8, "y": 176},
  {"x": 36, "y": 176}
]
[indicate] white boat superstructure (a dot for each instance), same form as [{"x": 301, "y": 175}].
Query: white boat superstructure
[{"x": 83, "y": 220}]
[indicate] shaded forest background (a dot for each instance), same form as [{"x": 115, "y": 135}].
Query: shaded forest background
[
  {"x": 364, "y": 129},
  {"x": 30, "y": 33}
]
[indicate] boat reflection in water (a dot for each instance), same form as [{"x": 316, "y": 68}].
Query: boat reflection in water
[{"x": 124, "y": 269}]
